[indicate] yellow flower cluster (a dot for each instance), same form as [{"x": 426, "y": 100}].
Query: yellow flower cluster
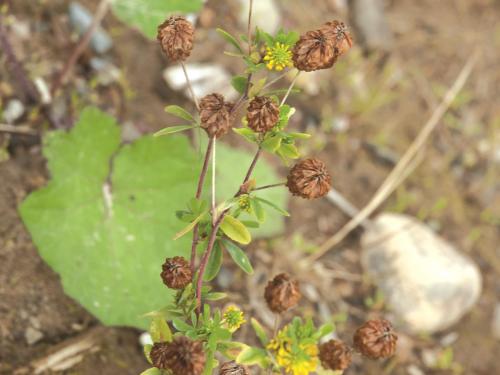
[
  {"x": 234, "y": 318},
  {"x": 298, "y": 359},
  {"x": 278, "y": 57}
]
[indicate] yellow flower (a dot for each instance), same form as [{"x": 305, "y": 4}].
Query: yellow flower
[
  {"x": 244, "y": 202},
  {"x": 298, "y": 359},
  {"x": 234, "y": 318},
  {"x": 278, "y": 57}
]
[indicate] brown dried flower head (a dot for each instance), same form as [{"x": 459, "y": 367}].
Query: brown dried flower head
[
  {"x": 176, "y": 273},
  {"x": 282, "y": 293},
  {"x": 314, "y": 51},
  {"x": 263, "y": 113},
  {"x": 337, "y": 32},
  {"x": 319, "y": 49},
  {"x": 375, "y": 339},
  {"x": 233, "y": 368},
  {"x": 215, "y": 115},
  {"x": 335, "y": 355},
  {"x": 182, "y": 356},
  {"x": 309, "y": 179},
  {"x": 176, "y": 38}
]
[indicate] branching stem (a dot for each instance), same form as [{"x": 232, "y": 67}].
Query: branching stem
[
  {"x": 269, "y": 186},
  {"x": 290, "y": 88}
]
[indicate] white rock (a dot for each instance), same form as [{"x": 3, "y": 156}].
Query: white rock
[
  {"x": 14, "y": 109},
  {"x": 265, "y": 14},
  {"x": 205, "y": 79},
  {"x": 428, "y": 284}
]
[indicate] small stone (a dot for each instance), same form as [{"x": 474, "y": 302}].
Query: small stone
[
  {"x": 81, "y": 19},
  {"x": 107, "y": 73},
  {"x": 205, "y": 78},
  {"x": 32, "y": 335},
  {"x": 13, "y": 111},
  {"x": 427, "y": 283},
  {"x": 414, "y": 370}
]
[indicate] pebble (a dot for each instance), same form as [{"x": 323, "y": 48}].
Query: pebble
[
  {"x": 14, "y": 109},
  {"x": 428, "y": 284},
  {"x": 81, "y": 19},
  {"x": 205, "y": 79},
  {"x": 32, "y": 335}
]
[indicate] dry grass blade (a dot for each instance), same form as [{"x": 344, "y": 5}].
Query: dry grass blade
[{"x": 400, "y": 171}]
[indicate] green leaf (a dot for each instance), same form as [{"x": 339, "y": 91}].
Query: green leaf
[
  {"x": 272, "y": 144},
  {"x": 325, "y": 329},
  {"x": 239, "y": 83},
  {"x": 259, "y": 212},
  {"x": 272, "y": 205},
  {"x": 214, "y": 263},
  {"x": 230, "y": 39},
  {"x": 181, "y": 325},
  {"x": 147, "y": 352},
  {"x": 173, "y": 129},
  {"x": 300, "y": 135},
  {"x": 249, "y": 134},
  {"x": 107, "y": 241},
  {"x": 253, "y": 356},
  {"x": 152, "y": 371},
  {"x": 260, "y": 332},
  {"x": 239, "y": 256},
  {"x": 235, "y": 230},
  {"x": 215, "y": 296},
  {"x": 159, "y": 330},
  {"x": 288, "y": 150},
  {"x": 179, "y": 112},
  {"x": 147, "y": 15},
  {"x": 190, "y": 227}
]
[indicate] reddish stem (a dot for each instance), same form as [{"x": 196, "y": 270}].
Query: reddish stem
[
  {"x": 213, "y": 235},
  {"x": 199, "y": 190}
]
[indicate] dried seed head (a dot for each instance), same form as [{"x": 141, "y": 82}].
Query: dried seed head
[
  {"x": 182, "y": 356},
  {"x": 314, "y": 51},
  {"x": 335, "y": 355},
  {"x": 336, "y": 31},
  {"x": 375, "y": 339},
  {"x": 176, "y": 273},
  {"x": 319, "y": 49},
  {"x": 263, "y": 113},
  {"x": 233, "y": 368},
  {"x": 215, "y": 115},
  {"x": 176, "y": 38},
  {"x": 282, "y": 293},
  {"x": 309, "y": 179}
]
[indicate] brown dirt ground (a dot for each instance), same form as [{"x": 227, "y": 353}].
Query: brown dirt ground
[{"x": 455, "y": 189}]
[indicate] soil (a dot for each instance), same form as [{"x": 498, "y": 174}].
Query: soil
[{"x": 455, "y": 190}]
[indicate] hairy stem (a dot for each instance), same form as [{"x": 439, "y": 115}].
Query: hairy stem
[
  {"x": 199, "y": 190},
  {"x": 99, "y": 15},
  {"x": 190, "y": 86}
]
